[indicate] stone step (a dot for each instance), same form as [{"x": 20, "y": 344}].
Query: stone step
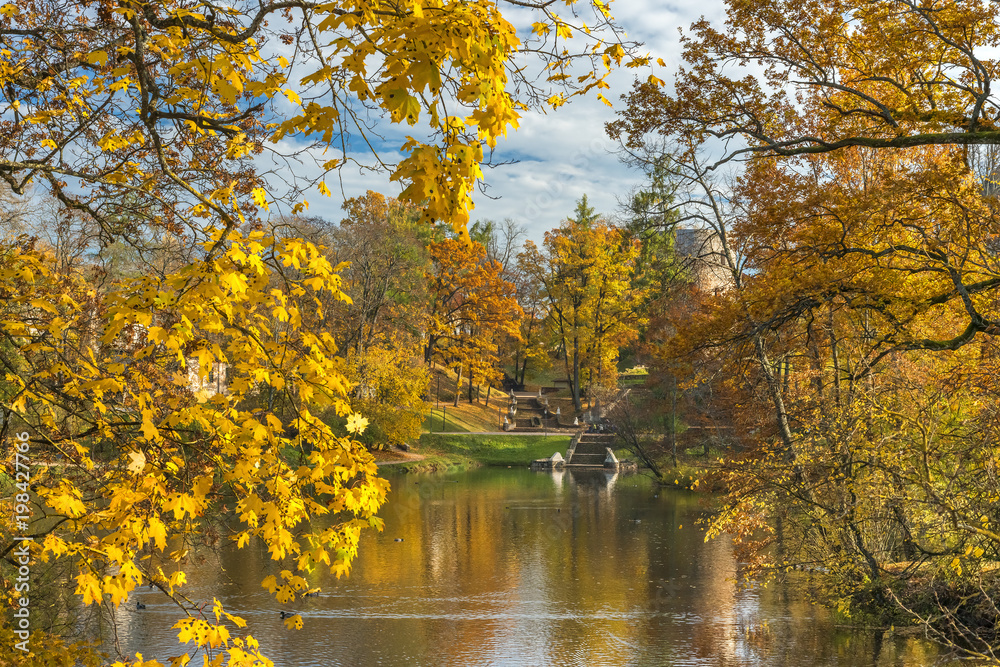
[
  {"x": 596, "y": 443},
  {"x": 602, "y": 440},
  {"x": 590, "y": 452},
  {"x": 588, "y": 448},
  {"x": 542, "y": 423},
  {"x": 588, "y": 459}
]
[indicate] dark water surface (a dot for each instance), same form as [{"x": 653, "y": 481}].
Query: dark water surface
[{"x": 510, "y": 567}]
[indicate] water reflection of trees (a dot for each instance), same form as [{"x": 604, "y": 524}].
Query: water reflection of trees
[{"x": 512, "y": 567}]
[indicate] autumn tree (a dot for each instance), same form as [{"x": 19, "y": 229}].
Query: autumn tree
[
  {"x": 125, "y": 384},
  {"x": 531, "y": 346},
  {"x": 885, "y": 74},
  {"x": 471, "y": 307},
  {"x": 381, "y": 326},
  {"x": 502, "y": 241},
  {"x": 381, "y": 262},
  {"x": 860, "y": 383},
  {"x": 384, "y": 276},
  {"x": 533, "y": 349},
  {"x": 867, "y": 279},
  {"x": 868, "y": 291},
  {"x": 855, "y": 80},
  {"x": 586, "y": 274}
]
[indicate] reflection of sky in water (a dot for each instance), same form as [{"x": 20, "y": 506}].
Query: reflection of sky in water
[{"x": 507, "y": 567}]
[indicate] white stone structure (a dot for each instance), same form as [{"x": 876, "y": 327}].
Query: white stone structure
[
  {"x": 701, "y": 252},
  {"x": 214, "y": 383}
]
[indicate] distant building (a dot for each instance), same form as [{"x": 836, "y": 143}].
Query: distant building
[
  {"x": 214, "y": 383},
  {"x": 135, "y": 336},
  {"x": 700, "y": 250}
]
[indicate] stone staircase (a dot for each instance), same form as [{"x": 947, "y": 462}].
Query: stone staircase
[
  {"x": 591, "y": 449},
  {"x": 531, "y": 415}
]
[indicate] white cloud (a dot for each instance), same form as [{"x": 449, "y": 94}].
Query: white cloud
[
  {"x": 567, "y": 153},
  {"x": 560, "y": 155}
]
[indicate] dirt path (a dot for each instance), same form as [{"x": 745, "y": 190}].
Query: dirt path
[{"x": 401, "y": 457}]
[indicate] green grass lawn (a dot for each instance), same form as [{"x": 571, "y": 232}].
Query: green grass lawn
[
  {"x": 438, "y": 421},
  {"x": 498, "y": 450},
  {"x": 450, "y": 453},
  {"x": 460, "y": 420},
  {"x": 545, "y": 377}
]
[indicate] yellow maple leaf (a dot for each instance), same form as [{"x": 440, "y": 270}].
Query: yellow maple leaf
[
  {"x": 149, "y": 430},
  {"x": 97, "y": 58},
  {"x": 88, "y": 586},
  {"x": 157, "y": 532},
  {"x": 137, "y": 463},
  {"x": 260, "y": 198},
  {"x": 356, "y": 423}
]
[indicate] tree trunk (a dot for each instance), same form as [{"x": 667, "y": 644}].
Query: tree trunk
[
  {"x": 470, "y": 383},
  {"x": 836, "y": 360},
  {"x": 774, "y": 388},
  {"x": 673, "y": 419},
  {"x": 816, "y": 363},
  {"x": 577, "y": 403},
  {"x": 458, "y": 385},
  {"x": 568, "y": 368}
]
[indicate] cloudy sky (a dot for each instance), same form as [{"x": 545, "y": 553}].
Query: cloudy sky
[{"x": 564, "y": 154}]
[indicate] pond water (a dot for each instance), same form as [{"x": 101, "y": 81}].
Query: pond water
[{"x": 510, "y": 567}]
